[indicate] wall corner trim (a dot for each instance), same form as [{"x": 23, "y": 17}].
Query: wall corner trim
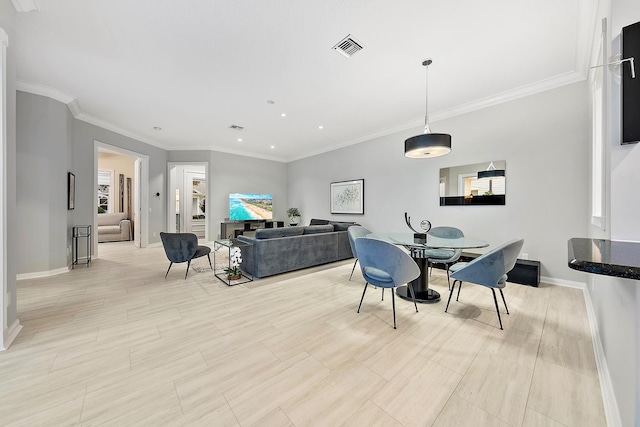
[
  {"x": 4, "y": 38},
  {"x": 10, "y": 334},
  {"x": 38, "y": 274},
  {"x": 611, "y": 411}
]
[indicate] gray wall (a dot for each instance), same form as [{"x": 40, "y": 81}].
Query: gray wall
[
  {"x": 616, "y": 301},
  {"x": 230, "y": 173},
  {"x": 7, "y": 22},
  {"x": 44, "y": 138},
  {"x": 544, "y": 140},
  {"x": 84, "y": 136}
]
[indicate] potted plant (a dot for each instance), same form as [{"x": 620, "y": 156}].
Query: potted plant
[
  {"x": 294, "y": 216},
  {"x": 235, "y": 259}
]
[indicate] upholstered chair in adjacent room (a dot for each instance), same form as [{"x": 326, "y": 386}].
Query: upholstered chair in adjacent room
[
  {"x": 355, "y": 232},
  {"x": 183, "y": 247},
  {"x": 387, "y": 266},
  {"x": 490, "y": 270}
]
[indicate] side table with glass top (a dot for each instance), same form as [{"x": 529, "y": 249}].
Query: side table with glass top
[{"x": 220, "y": 270}]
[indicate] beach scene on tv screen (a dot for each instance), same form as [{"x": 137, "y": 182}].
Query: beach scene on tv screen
[{"x": 250, "y": 206}]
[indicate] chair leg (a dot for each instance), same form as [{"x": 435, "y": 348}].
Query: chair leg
[
  {"x": 505, "y": 303},
  {"x": 448, "y": 281},
  {"x": 450, "y": 294},
  {"x": 354, "y": 268},
  {"x": 365, "y": 290},
  {"x": 170, "y": 264},
  {"x": 382, "y": 294},
  {"x": 393, "y": 304},
  {"x": 459, "y": 289},
  {"x": 210, "y": 265},
  {"x": 495, "y": 300},
  {"x": 187, "y": 272},
  {"x": 413, "y": 295}
]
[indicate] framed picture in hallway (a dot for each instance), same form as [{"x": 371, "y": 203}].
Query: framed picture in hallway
[
  {"x": 347, "y": 197},
  {"x": 71, "y": 191}
]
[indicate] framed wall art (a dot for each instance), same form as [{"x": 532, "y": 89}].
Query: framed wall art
[{"x": 347, "y": 197}]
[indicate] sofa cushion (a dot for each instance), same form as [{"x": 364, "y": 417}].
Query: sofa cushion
[
  {"x": 315, "y": 221},
  {"x": 110, "y": 229},
  {"x": 314, "y": 229},
  {"x": 111, "y": 218},
  {"x": 273, "y": 233}
]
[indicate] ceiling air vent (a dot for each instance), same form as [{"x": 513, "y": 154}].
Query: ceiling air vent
[
  {"x": 348, "y": 46},
  {"x": 236, "y": 127}
]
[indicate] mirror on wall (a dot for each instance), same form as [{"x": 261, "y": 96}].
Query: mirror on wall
[{"x": 476, "y": 184}]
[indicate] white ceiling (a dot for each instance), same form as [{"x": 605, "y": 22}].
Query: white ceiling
[{"x": 196, "y": 67}]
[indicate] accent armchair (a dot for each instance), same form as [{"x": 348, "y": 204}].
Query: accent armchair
[{"x": 183, "y": 247}]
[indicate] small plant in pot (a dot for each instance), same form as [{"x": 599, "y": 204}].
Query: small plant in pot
[
  {"x": 294, "y": 216},
  {"x": 235, "y": 259}
]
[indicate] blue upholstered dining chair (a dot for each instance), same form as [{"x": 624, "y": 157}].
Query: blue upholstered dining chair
[
  {"x": 355, "y": 232},
  {"x": 489, "y": 269},
  {"x": 387, "y": 266},
  {"x": 444, "y": 256},
  {"x": 183, "y": 247}
]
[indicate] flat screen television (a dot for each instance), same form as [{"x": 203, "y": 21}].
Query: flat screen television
[{"x": 244, "y": 207}]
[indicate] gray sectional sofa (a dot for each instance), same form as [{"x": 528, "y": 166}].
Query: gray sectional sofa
[{"x": 279, "y": 250}]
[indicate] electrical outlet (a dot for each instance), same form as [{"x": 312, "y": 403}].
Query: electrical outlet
[
  {"x": 8, "y": 300},
  {"x": 524, "y": 256}
]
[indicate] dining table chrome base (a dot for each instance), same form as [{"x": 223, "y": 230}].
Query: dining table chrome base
[{"x": 428, "y": 296}]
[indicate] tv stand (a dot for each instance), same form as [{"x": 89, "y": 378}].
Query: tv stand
[{"x": 232, "y": 229}]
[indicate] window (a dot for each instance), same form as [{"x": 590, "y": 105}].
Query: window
[{"x": 105, "y": 191}]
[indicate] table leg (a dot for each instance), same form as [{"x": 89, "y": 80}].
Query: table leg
[{"x": 420, "y": 285}]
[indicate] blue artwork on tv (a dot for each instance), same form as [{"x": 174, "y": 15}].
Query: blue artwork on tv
[{"x": 243, "y": 207}]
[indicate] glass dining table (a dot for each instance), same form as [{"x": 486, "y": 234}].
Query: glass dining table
[{"x": 417, "y": 248}]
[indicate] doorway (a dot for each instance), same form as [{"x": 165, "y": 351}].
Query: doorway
[
  {"x": 121, "y": 188},
  {"x": 187, "y": 202}
]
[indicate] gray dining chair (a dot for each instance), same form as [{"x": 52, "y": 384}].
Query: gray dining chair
[
  {"x": 386, "y": 266},
  {"x": 355, "y": 232},
  {"x": 490, "y": 270},
  {"x": 447, "y": 257},
  {"x": 183, "y": 247}
]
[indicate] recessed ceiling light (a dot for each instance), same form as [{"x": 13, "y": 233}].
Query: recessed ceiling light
[
  {"x": 283, "y": 114},
  {"x": 157, "y": 128},
  {"x": 239, "y": 139},
  {"x": 320, "y": 127},
  {"x": 273, "y": 146}
]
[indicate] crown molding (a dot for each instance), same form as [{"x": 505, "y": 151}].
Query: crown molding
[
  {"x": 521, "y": 92},
  {"x": 116, "y": 129},
  {"x": 26, "y": 5},
  {"x": 230, "y": 151},
  {"x": 49, "y": 92}
]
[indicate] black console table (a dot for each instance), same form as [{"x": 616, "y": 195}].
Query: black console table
[
  {"x": 233, "y": 229},
  {"x": 605, "y": 257},
  {"x": 525, "y": 272}
]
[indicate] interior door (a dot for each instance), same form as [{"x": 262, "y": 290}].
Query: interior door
[{"x": 137, "y": 173}]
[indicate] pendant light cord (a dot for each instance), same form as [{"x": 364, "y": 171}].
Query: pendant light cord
[{"x": 427, "y": 129}]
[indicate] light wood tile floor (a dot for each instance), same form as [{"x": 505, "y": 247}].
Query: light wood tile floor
[{"x": 117, "y": 344}]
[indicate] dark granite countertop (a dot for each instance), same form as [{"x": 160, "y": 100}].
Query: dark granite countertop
[{"x": 607, "y": 257}]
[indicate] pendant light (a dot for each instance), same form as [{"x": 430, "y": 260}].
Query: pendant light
[
  {"x": 491, "y": 172},
  {"x": 428, "y": 144}
]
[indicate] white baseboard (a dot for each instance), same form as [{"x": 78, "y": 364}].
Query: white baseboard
[
  {"x": 611, "y": 411},
  {"x": 562, "y": 282},
  {"x": 10, "y": 334},
  {"x": 38, "y": 274},
  {"x": 155, "y": 245}
]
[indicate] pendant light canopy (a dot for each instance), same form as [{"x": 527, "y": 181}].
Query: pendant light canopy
[{"x": 428, "y": 144}]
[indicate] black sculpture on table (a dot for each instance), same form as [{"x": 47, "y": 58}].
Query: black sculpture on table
[{"x": 425, "y": 225}]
